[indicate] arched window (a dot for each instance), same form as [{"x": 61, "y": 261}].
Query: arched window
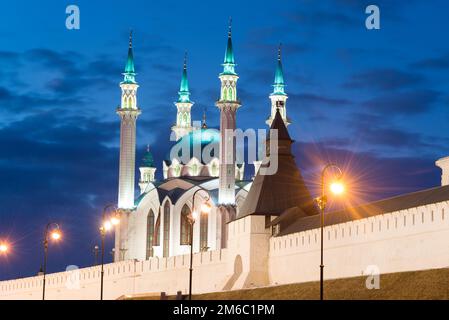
[
  {"x": 224, "y": 94},
  {"x": 185, "y": 225},
  {"x": 157, "y": 234},
  {"x": 194, "y": 169},
  {"x": 214, "y": 170},
  {"x": 230, "y": 95},
  {"x": 166, "y": 229},
  {"x": 177, "y": 170},
  {"x": 204, "y": 220},
  {"x": 150, "y": 234}
]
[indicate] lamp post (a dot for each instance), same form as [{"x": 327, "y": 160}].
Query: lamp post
[
  {"x": 205, "y": 208},
  {"x": 337, "y": 188},
  {"x": 106, "y": 225},
  {"x": 55, "y": 235}
]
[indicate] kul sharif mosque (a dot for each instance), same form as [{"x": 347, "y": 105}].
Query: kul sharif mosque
[{"x": 157, "y": 224}]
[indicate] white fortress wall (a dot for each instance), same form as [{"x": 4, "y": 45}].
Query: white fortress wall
[
  {"x": 130, "y": 277},
  {"x": 406, "y": 240}
]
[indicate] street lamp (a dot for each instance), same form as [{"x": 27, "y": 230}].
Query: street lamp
[
  {"x": 205, "y": 208},
  {"x": 106, "y": 225},
  {"x": 53, "y": 231},
  {"x": 336, "y": 187}
]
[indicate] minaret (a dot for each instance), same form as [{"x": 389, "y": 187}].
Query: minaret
[
  {"x": 184, "y": 105},
  {"x": 228, "y": 105},
  {"x": 278, "y": 97},
  {"x": 128, "y": 112},
  {"x": 147, "y": 170}
]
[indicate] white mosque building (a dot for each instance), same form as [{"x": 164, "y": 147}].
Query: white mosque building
[
  {"x": 156, "y": 224},
  {"x": 260, "y": 232}
]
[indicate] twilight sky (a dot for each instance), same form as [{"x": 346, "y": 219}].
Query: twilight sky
[{"x": 375, "y": 102}]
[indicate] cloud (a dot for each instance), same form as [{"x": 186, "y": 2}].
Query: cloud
[
  {"x": 26, "y": 103},
  {"x": 406, "y": 102},
  {"x": 436, "y": 63},
  {"x": 58, "y": 168},
  {"x": 312, "y": 99},
  {"x": 323, "y": 18},
  {"x": 383, "y": 79}
]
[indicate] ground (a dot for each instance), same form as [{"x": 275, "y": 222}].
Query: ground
[{"x": 415, "y": 285}]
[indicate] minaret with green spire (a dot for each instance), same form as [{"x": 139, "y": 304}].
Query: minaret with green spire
[
  {"x": 183, "y": 105},
  {"x": 278, "y": 97},
  {"x": 128, "y": 112},
  {"x": 228, "y": 105}
]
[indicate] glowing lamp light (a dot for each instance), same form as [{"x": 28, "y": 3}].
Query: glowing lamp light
[
  {"x": 56, "y": 235},
  {"x": 115, "y": 221},
  {"x": 107, "y": 225},
  {"x": 4, "y": 248},
  {"x": 194, "y": 215},
  {"x": 206, "y": 207},
  {"x": 337, "y": 188}
]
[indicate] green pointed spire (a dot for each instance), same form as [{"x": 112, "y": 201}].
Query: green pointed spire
[
  {"x": 184, "y": 93},
  {"x": 130, "y": 73},
  {"x": 279, "y": 76},
  {"x": 148, "y": 160},
  {"x": 229, "y": 62}
]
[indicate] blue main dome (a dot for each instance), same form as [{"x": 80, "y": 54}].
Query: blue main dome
[{"x": 202, "y": 144}]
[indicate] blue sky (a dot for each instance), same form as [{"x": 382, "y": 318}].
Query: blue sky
[{"x": 375, "y": 102}]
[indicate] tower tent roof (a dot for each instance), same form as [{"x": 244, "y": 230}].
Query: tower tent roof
[
  {"x": 279, "y": 125},
  {"x": 274, "y": 194}
]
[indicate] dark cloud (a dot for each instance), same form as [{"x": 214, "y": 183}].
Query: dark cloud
[
  {"x": 312, "y": 99},
  {"x": 56, "y": 168},
  {"x": 383, "y": 79},
  {"x": 13, "y": 102},
  {"x": 324, "y": 18},
  {"x": 437, "y": 63},
  {"x": 406, "y": 102}
]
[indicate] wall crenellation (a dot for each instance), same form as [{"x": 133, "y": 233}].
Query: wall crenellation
[
  {"x": 364, "y": 229},
  {"x": 405, "y": 240},
  {"x": 113, "y": 271}
]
